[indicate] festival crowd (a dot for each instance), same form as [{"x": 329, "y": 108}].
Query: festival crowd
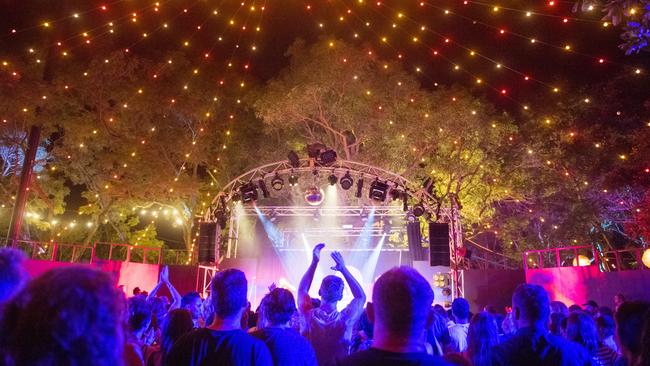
[{"x": 76, "y": 316}]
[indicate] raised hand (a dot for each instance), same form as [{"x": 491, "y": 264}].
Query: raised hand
[
  {"x": 164, "y": 274},
  {"x": 316, "y": 253},
  {"x": 339, "y": 262},
  {"x": 272, "y": 287}
]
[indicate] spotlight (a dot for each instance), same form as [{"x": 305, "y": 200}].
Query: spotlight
[
  {"x": 248, "y": 192},
  {"x": 314, "y": 196},
  {"x": 359, "y": 188},
  {"x": 236, "y": 197},
  {"x": 405, "y": 201},
  {"x": 378, "y": 191},
  {"x": 294, "y": 159},
  {"x": 395, "y": 194},
  {"x": 332, "y": 179},
  {"x": 418, "y": 210},
  {"x": 327, "y": 157},
  {"x": 346, "y": 181},
  {"x": 277, "y": 183},
  {"x": 262, "y": 185},
  {"x": 293, "y": 180}
]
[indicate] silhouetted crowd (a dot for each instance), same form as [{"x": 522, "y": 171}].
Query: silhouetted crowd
[{"x": 76, "y": 316}]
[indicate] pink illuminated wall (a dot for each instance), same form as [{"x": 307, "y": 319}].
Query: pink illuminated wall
[
  {"x": 127, "y": 274},
  {"x": 576, "y": 285}
]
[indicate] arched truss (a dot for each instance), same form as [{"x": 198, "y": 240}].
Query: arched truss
[
  {"x": 340, "y": 167},
  {"x": 219, "y": 206}
]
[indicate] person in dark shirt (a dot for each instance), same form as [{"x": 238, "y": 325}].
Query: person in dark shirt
[
  {"x": 401, "y": 312},
  {"x": 630, "y": 319},
  {"x": 288, "y": 348},
  {"x": 223, "y": 343},
  {"x": 532, "y": 344}
]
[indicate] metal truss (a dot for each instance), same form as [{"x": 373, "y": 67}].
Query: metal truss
[
  {"x": 339, "y": 211},
  {"x": 204, "y": 279},
  {"x": 339, "y": 167}
]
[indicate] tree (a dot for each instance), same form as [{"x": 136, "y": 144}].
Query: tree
[
  {"x": 631, "y": 15},
  {"x": 586, "y": 175},
  {"x": 339, "y": 95},
  {"x": 371, "y": 110}
]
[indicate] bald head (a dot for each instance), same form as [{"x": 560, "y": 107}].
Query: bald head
[{"x": 402, "y": 300}]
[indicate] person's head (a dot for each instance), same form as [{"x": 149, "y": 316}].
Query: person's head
[
  {"x": 177, "y": 323},
  {"x": 555, "y": 323},
  {"x": 229, "y": 289},
  {"x": 331, "y": 289},
  {"x": 277, "y": 307},
  {"x": 575, "y": 307},
  {"x": 192, "y": 301},
  {"x": 158, "y": 310},
  {"x": 13, "y": 275},
  {"x": 618, "y": 300},
  {"x": 401, "y": 303},
  {"x": 606, "y": 326},
  {"x": 139, "y": 314},
  {"x": 629, "y": 326},
  {"x": 559, "y": 307},
  {"x": 137, "y": 291},
  {"x": 440, "y": 310},
  {"x": 460, "y": 310},
  {"x": 482, "y": 337},
  {"x": 581, "y": 328},
  {"x": 591, "y": 307},
  {"x": 67, "y": 316},
  {"x": 530, "y": 305}
]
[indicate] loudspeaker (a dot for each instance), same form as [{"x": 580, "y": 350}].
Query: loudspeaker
[
  {"x": 439, "y": 244},
  {"x": 209, "y": 240},
  {"x": 418, "y": 253}
]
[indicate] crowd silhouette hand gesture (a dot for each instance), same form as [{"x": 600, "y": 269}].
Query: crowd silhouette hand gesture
[
  {"x": 339, "y": 262},
  {"x": 316, "y": 252},
  {"x": 164, "y": 274}
]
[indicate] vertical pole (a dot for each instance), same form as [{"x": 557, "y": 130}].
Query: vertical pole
[{"x": 23, "y": 189}]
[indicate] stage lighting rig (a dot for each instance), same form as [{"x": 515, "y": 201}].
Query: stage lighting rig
[
  {"x": 248, "y": 192},
  {"x": 395, "y": 194},
  {"x": 418, "y": 210},
  {"x": 378, "y": 190},
  {"x": 332, "y": 179},
  {"x": 346, "y": 181},
  {"x": 327, "y": 157},
  {"x": 359, "y": 188},
  {"x": 293, "y": 180},
  {"x": 294, "y": 159},
  {"x": 236, "y": 197},
  {"x": 277, "y": 183},
  {"x": 262, "y": 185}
]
